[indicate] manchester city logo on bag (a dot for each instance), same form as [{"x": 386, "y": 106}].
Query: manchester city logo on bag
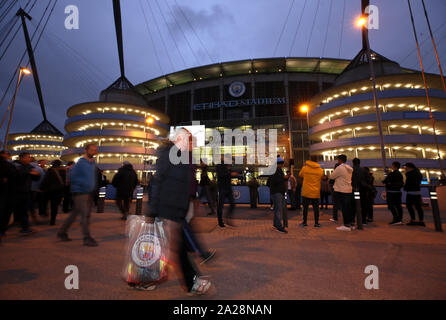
[
  {"x": 237, "y": 89},
  {"x": 146, "y": 250}
]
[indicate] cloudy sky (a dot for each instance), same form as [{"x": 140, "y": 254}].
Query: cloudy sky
[{"x": 163, "y": 36}]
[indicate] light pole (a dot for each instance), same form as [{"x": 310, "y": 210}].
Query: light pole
[
  {"x": 306, "y": 109},
  {"x": 148, "y": 121},
  {"x": 361, "y": 22},
  {"x": 27, "y": 72}
]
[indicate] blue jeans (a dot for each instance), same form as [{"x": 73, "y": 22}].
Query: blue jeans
[
  {"x": 344, "y": 203},
  {"x": 280, "y": 212}
]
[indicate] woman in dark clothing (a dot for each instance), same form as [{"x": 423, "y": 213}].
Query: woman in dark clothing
[
  {"x": 53, "y": 186},
  {"x": 171, "y": 187},
  {"x": 325, "y": 191},
  {"x": 413, "y": 194}
]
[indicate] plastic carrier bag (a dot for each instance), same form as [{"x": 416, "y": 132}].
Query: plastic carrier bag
[{"x": 146, "y": 251}]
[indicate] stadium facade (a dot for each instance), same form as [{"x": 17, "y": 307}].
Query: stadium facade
[{"x": 117, "y": 125}]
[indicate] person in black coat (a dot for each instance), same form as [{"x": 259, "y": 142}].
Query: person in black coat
[
  {"x": 22, "y": 189},
  {"x": 170, "y": 197},
  {"x": 413, "y": 194},
  {"x": 278, "y": 188},
  {"x": 394, "y": 182},
  {"x": 53, "y": 187},
  {"x": 125, "y": 182},
  {"x": 7, "y": 178}
]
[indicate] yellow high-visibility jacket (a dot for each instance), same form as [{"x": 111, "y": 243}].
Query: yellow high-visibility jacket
[{"x": 311, "y": 173}]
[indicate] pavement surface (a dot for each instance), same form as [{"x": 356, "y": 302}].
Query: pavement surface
[{"x": 252, "y": 260}]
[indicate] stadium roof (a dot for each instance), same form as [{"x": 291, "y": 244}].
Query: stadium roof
[{"x": 244, "y": 67}]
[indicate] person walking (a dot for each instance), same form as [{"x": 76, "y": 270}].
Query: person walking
[
  {"x": 335, "y": 201},
  {"x": 101, "y": 181},
  {"x": 369, "y": 197},
  {"x": 278, "y": 190},
  {"x": 67, "y": 203},
  {"x": 224, "y": 175},
  {"x": 83, "y": 184},
  {"x": 394, "y": 182},
  {"x": 325, "y": 191},
  {"x": 311, "y": 174},
  {"x": 125, "y": 182},
  {"x": 26, "y": 173},
  {"x": 171, "y": 201},
  {"x": 342, "y": 176},
  {"x": 205, "y": 184},
  {"x": 37, "y": 196},
  {"x": 413, "y": 194},
  {"x": 253, "y": 186},
  {"x": 53, "y": 186},
  {"x": 7, "y": 178},
  {"x": 291, "y": 192},
  {"x": 298, "y": 193}
]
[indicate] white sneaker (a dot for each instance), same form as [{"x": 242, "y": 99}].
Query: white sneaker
[
  {"x": 343, "y": 228},
  {"x": 333, "y": 220}
]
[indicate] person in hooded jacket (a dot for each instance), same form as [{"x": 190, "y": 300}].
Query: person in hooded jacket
[
  {"x": 311, "y": 173},
  {"x": 413, "y": 194},
  {"x": 7, "y": 181},
  {"x": 342, "y": 176},
  {"x": 394, "y": 182},
  {"x": 125, "y": 182},
  {"x": 53, "y": 186}
]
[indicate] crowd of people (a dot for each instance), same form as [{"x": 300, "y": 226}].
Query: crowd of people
[{"x": 26, "y": 187}]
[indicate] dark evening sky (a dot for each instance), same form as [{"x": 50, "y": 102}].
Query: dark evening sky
[{"x": 75, "y": 65}]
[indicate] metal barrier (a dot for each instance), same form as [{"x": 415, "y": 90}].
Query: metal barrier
[
  {"x": 435, "y": 208},
  {"x": 101, "y": 200},
  {"x": 139, "y": 197}
]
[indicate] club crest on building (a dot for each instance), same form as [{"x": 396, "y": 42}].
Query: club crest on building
[{"x": 237, "y": 89}]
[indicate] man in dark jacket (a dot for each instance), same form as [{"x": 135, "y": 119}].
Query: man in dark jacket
[
  {"x": 170, "y": 197},
  {"x": 205, "y": 184},
  {"x": 361, "y": 181},
  {"x": 413, "y": 194},
  {"x": 224, "y": 175},
  {"x": 7, "y": 178},
  {"x": 53, "y": 185},
  {"x": 125, "y": 182},
  {"x": 394, "y": 182},
  {"x": 278, "y": 186},
  {"x": 25, "y": 175}
]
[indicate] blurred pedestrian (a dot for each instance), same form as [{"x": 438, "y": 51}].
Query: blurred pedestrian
[
  {"x": 413, "y": 194},
  {"x": 253, "y": 186},
  {"x": 37, "y": 196},
  {"x": 7, "y": 182},
  {"x": 171, "y": 201},
  {"x": 291, "y": 192},
  {"x": 23, "y": 181},
  {"x": 268, "y": 184},
  {"x": 342, "y": 176},
  {"x": 278, "y": 190},
  {"x": 394, "y": 182},
  {"x": 101, "y": 181},
  {"x": 334, "y": 198},
  {"x": 224, "y": 175},
  {"x": 53, "y": 186},
  {"x": 325, "y": 191},
  {"x": 67, "y": 203},
  {"x": 369, "y": 196},
  {"x": 83, "y": 183},
  {"x": 205, "y": 184},
  {"x": 311, "y": 174},
  {"x": 298, "y": 193},
  {"x": 125, "y": 182}
]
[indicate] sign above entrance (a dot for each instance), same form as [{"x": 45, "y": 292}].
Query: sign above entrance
[{"x": 237, "y": 103}]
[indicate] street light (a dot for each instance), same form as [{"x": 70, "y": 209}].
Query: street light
[
  {"x": 148, "y": 121},
  {"x": 27, "y": 72},
  {"x": 362, "y": 23},
  {"x": 304, "y": 108}
]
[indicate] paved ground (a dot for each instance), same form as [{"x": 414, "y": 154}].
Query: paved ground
[{"x": 252, "y": 262}]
